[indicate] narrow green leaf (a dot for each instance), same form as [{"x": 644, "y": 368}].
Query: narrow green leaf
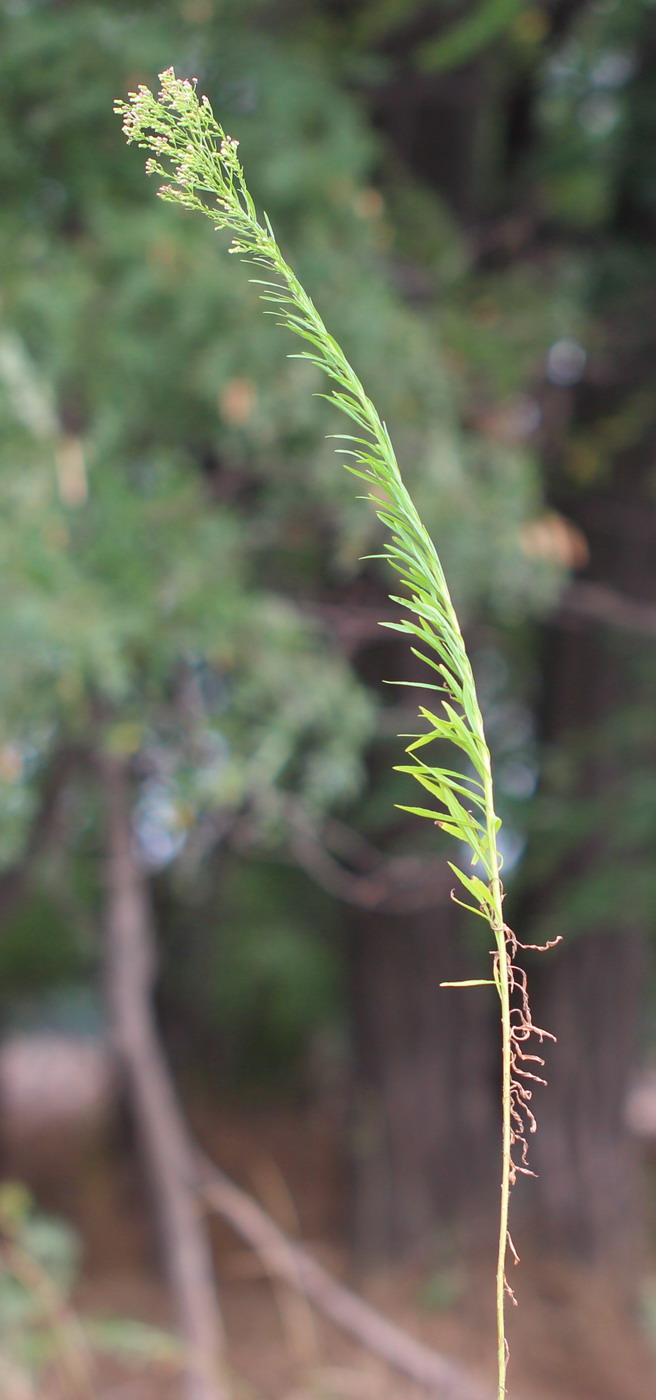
[
  {"x": 470, "y": 982},
  {"x": 475, "y": 886}
]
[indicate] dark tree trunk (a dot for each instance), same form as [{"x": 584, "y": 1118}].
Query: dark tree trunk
[
  {"x": 587, "y": 1197},
  {"x": 426, "y": 1061},
  {"x": 592, "y": 993},
  {"x": 425, "y": 1140}
]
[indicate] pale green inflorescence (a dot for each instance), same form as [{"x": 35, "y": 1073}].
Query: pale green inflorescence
[
  {"x": 200, "y": 168},
  {"x": 182, "y": 129}
]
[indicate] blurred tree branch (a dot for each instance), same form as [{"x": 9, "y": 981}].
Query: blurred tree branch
[
  {"x": 129, "y": 974},
  {"x": 368, "y": 879},
  {"x": 597, "y": 602},
  {"x": 350, "y": 1313}
]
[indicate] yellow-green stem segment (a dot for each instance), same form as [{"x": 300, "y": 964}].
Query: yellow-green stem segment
[
  {"x": 506, "y": 1164},
  {"x": 502, "y": 979}
]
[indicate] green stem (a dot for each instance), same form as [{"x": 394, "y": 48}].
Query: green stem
[
  {"x": 503, "y": 987},
  {"x": 506, "y": 1162}
]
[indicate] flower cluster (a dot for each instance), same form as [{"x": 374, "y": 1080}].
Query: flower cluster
[
  {"x": 189, "y": 149},
  {"x": 141, "y": 109}
]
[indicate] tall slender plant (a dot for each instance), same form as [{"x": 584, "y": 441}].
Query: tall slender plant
[{"x": 201, "y": 170}]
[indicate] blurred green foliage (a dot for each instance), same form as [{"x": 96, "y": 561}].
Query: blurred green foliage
[
  {"x": 41, "y": 1335},
  {"x": 266, "y": 971}
]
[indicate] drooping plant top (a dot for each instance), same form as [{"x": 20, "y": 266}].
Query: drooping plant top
[{"x": 200, "y": 169}]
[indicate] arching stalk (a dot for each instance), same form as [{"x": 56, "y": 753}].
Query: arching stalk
[{"x": 201, "y": 170}]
